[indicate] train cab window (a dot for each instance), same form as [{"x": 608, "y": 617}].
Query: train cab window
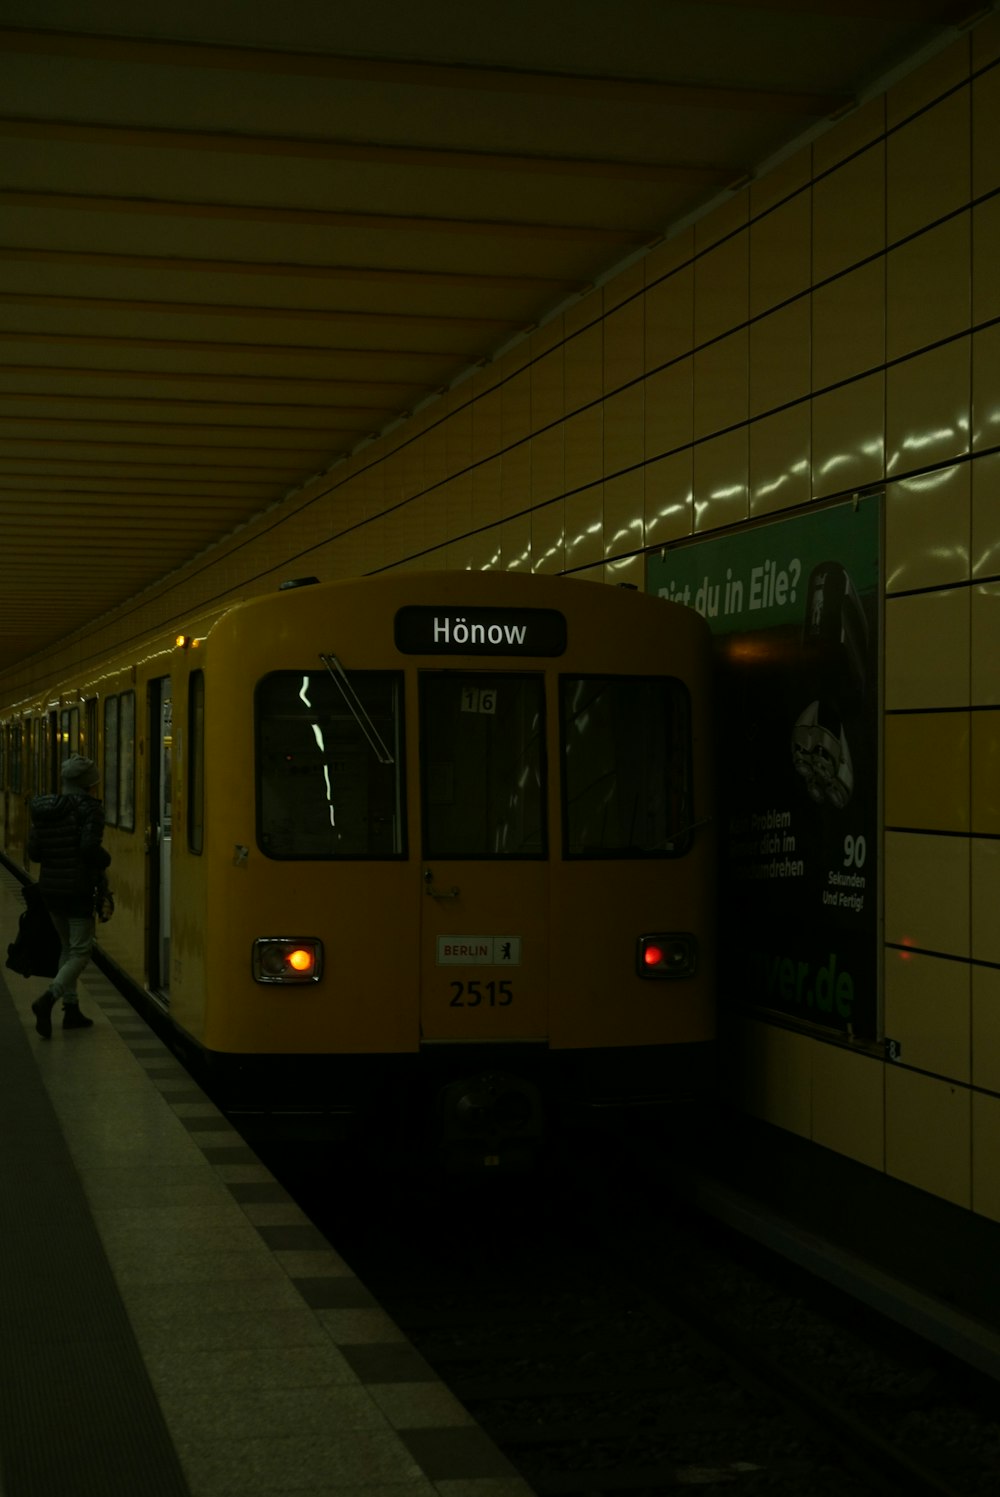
[
  {"x": 110, "y": 776},
  {"x": 196, "y": 761},
  {"x": 325, "y": 789},
  {"x": 482, "y": 765},
  {"x": 126, "y": 762},
  {"x": 626, "y": 744}
]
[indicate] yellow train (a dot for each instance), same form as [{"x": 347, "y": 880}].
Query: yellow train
[{"x": 434, "y": 837}]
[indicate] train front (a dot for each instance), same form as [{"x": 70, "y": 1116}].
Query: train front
[{"x": 468, "y": 881}]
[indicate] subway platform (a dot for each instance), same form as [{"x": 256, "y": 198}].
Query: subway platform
[{"x": 171, "y": 1323}]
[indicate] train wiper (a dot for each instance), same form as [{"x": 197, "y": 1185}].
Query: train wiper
[{"x": 356, "y": 708}]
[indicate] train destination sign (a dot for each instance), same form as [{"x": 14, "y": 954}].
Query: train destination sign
[{"x": 421, "y": 630}]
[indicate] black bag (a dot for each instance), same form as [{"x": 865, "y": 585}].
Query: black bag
[{"x": 34, "y": 952}]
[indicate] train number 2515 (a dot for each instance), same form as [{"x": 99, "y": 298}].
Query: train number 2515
[{"x": 472, "y": 994}]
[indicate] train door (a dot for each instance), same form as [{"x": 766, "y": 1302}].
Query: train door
[
  {"x": 160, "y": 709},
  {"x": 484, "y": 857}
]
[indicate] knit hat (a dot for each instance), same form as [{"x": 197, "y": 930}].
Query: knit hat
[{"x": 79, "y": 773}]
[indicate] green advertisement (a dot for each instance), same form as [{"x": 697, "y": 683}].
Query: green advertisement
[{"x": 794, "y": 606}]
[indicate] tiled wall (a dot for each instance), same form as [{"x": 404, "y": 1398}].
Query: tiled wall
[{"x": 834, "y": 327}]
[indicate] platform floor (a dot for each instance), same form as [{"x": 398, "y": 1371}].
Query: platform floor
[{"x": 171, "y": 1323}]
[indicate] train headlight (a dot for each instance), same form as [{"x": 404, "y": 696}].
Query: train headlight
[
  {"x": 287, "y": 959},
  {"x": 667, "y": 954}
]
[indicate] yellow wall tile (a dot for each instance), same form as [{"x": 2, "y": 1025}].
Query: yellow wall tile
[
  {"x": 515, "y": 395},
  {"x": 940, "y": 258},
  {"x": 584, "y": 367},
  {"x": 773, "y": 1075},
  {"x": 725, "y": 220},
  {"x": 986, "y": 1028},
  {"x": 986, "y": 1156},
  {"x": 515, "y": 480},
  {"x": 628, "y": 283},
  {"x": 624, "y": 334},
  {"x": 515, "y": 544},
  {"x": 551, "y": 334},
  {"x": 986, "y": 515},
  {"x": 781, "y": 253},
  {"x": 669, "y": 318},
  {"x": 630, "y": 570},
  {"x": 985, "y": 258},
  {"x": 721, "y": 480},
  {"x": 669, "y": 255},
  {"x": 985, "y": 874},
  {"x": 928, "y": 408},
  {"x": 849, "y": 213},
  {"x": 548, "y": 538},
  {"x": 848, "y": 325},
  {"x": 783, "y": 180},
  {"x": 780, "y": 468},
  {"x": 623, "y": 512},
  {"x": 548, "y": 396},
  {"x": 585, "y": 527},
  {"x": 624, "y": 435},
  {"x": 848, "y": 436},
  {"x": 986, "y": 388},
  {"x": 669, "y": 498},
  {"x": 927, "y": 892},
  {"x": 917, "y": 796},
  {"x": 985, "y": 773},
  {"x": 928, "y": 1012},
  {"x": 928, "y": 1134},
  {"x": 487, "y": 425},
  {"x": 480, "y": 552},
  {"x": 985, "y": 626},
  {"x": 848, "y": 1104},
  {"x": 721, "y": 384},
  {"x": 458, "y": 501},
  {"x": 722, "y": 288},
  {"x": 928, "y": 170},
  {"x": 669, "y": 408},
  {"x": 986, "y": 129},
  {"x": 928, "y": 524},
  {"x": 922, "y": 85},
  {"x": 584, "y": 449},
  {"x": 584, "y": 312},
  {"x": 927, "y": 650},
  {"x": 458, "y": 439},
  {"x": 547, "y": 469},
  {"x": 850, "y": 135},
  {"x": 780, "y": 357},
  {"x": 486, "y": 495}
]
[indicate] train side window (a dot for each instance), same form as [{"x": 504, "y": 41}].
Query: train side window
[
  {"x": 196, "y": 762},
  {"x": 16, "y": 742},
  {"x": 110, "y": 776},
  {"x": 322, "y": 790},
  {"x": 482, "y": 765},
  {"x": 626, "y": 748},
  {"x": 126, "y": 762},
  {"x": 90, "y": 728}
]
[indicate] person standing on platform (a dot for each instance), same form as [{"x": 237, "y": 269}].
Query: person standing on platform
[{"x": 66, "y": 840}]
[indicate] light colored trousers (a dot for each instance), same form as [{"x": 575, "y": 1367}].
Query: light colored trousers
[{"x": 76, "y": 935}]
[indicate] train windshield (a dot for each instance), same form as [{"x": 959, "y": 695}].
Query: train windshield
[
  {"x": 322, "y": 792},
  {"x": 626, "y": 766},
  {"x": 482, "y": 765}
]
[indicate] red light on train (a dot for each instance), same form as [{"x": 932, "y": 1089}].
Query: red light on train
[
  {"x": 667, "y": 954},
  {"x": 301, "y": 960}
]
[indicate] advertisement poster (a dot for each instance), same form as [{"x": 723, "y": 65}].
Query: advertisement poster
[{"x": 794, "y": 607}]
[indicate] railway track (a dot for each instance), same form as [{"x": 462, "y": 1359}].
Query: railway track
[{"x": 611, "y": 1341}]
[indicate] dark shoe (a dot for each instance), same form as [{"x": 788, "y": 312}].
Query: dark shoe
[
  {"x": 42, "y": 1010},
  {"x": 73, "y": 1019}
]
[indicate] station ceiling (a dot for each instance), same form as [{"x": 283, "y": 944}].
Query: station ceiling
[{"x": 238, "y": 239}]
